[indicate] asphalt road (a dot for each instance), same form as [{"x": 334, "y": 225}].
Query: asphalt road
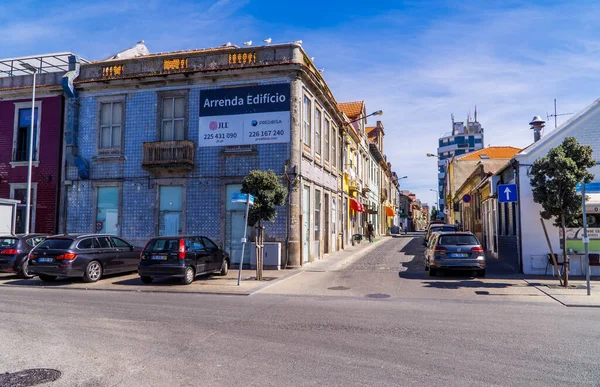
[{"x": 99, "y": 338}]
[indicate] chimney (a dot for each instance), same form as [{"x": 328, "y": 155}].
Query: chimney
[{"x": 537, "y": 124}]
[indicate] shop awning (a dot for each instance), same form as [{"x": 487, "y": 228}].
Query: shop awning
[
  {"x": 389, "y": 211},
  {"x": 356, "y": 206}
]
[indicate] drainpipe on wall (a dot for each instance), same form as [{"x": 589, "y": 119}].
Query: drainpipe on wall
[
  {"x": 72, "y": 127},
  {"x": 515, "y": 164},
  {"x": 69, "y": 139}
]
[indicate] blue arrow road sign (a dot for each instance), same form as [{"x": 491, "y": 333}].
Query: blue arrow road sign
[
  {"x": 242, "y": 198},
  {"x": 507, "y": 193}
]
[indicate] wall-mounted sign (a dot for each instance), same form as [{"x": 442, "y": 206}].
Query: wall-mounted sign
[
  {"x": 466, "y": 198},
  {"x": 507, "y": 193},
  {"x": 245, "y": 115}
]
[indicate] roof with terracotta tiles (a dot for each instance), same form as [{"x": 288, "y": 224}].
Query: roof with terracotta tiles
[
  {"x": 351, "y": 109},
  {"x": 369, "y": 129},
  {"x": 492, "y": 152}
]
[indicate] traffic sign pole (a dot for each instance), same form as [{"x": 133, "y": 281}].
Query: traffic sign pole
[
  {"x": 244, "y": 239},
  {"x": 249, "y": 200}
]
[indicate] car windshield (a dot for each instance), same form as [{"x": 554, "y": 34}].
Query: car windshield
[
  {"x": 163, "y": 245},
  {"x": 458, "y": 240},
  {"x": 443, "y": 229},
  {"x": 8, "y": 242},
  {"x": 59, "y": 244}
]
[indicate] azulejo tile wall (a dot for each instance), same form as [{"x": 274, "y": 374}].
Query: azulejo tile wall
[{"x": 204, "y": 185}]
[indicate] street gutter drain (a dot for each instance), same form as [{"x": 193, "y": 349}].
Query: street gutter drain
[
  {"x": 339, "y": 288},
  {"x": 31, "y": 377},
  {"x": 378, "y": 295}
]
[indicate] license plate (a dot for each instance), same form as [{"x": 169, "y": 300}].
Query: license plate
[
  {"x": 45, "y": 260},
  {"x": 459, "y": 255},
  {"x": 159, "y": 258}
]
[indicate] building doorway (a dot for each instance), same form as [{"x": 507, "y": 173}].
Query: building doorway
[
  {"x": 235, "y": 219},
  {"x": 170, "y": 215},
  {"x": 305, "y": 223},
  {"x": 327, "y": 247}
]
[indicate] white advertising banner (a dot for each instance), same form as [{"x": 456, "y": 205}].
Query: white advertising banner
[
  {"x": 245, "y": 115},
  {"x": 245, "y": 129}
]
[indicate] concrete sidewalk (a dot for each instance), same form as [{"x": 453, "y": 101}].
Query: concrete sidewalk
[
  {"x": 574, "y": 296},
  {"x": 207, "y": 284},
  {"x": 130, "y": 282},
  {"x": 338, "y": 260}
]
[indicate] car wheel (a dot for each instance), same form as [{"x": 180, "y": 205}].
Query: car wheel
[
  {"x": 146, "y": 280},
  {"x": 24, "y": 272},
  {"x": 224, "y": 267},
  {"x": 481, "y": 273},
  {"x": 93, "y": 272},
  {"x": 47, "y": 278},
  {"x": 188, "y": 276},
  {"x": 432, "y": 272}
]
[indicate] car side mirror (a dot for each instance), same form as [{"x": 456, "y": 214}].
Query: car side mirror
[{"x": 130, "y": 248}]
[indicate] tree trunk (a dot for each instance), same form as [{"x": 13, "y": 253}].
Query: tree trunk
[
  {"x": 259, "y": 251},
  {"x": 565, "y": 256},
  {"x": 552, "y": 256}
]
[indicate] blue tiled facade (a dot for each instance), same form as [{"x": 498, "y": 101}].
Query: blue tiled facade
[{"x": 204, "y": 186}]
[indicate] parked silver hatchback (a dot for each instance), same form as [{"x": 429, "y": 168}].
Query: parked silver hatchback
[{"x": 454, "y": 251}]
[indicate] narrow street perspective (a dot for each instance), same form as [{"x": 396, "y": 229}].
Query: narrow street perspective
[{"x": 395, "y": 268}]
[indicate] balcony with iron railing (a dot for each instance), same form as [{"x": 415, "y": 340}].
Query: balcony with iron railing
[{"x": 169, "y": 155}]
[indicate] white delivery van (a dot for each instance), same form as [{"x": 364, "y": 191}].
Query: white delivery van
[{"x": 8, "y": 216}]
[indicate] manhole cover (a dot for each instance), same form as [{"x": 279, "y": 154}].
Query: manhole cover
[
  {"x": 338, "y": 288},
  {"x": 28, "y": 378},
  {"x": 378, "y": 295}
]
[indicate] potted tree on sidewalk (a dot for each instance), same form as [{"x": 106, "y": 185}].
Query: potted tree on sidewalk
[
  {"x": 554, "y": 178},
  {"x": 268, "y": 193}
]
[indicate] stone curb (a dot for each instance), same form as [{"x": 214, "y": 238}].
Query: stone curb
[
  {"x": 246, "y": 293},
  {"x": 563, "y": 303}
]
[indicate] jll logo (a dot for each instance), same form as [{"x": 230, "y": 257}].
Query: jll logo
[{"x": 214, "y": 125}]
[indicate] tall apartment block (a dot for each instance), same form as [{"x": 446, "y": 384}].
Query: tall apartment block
[{"x": 463, "y": 139}]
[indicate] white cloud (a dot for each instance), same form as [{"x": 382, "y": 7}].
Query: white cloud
[{"x": 510, "y": 63}]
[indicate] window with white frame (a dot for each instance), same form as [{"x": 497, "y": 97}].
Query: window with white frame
[
  {"x": 22, "y": 131},
  {"x": 333, "y": 146},
  {"x": 173, "y": 118},
  {"x": 111, "y": 128},
  {"x": 318, "y": 123},
  {"x": 306, "y": 109},
  {"x": 18, "y": 191},
  {"x": 326, "y": 134}
]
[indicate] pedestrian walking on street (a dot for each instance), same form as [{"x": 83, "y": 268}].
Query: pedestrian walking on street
[{"x": 370, "y": 231}]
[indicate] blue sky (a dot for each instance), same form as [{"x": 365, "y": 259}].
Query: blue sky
[{"x": 418, "y": 61}]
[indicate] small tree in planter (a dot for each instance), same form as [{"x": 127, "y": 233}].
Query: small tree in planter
[
  {"x": 553, "y": 182},
  {"x": 268, "y": 193}
]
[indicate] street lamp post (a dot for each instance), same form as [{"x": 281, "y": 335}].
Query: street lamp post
[
  {"x": 437, "y": 195},
  {"x": 29, "y": 67}
]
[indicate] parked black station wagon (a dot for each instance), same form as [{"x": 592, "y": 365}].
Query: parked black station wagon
[
  {"x": 14, "y": 250},
  {"x": 184, "y": 257},
  {"x": 82, "y": 255}
]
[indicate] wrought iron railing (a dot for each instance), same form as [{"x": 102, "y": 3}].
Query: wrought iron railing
[{"x": 169, "y": 154}]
